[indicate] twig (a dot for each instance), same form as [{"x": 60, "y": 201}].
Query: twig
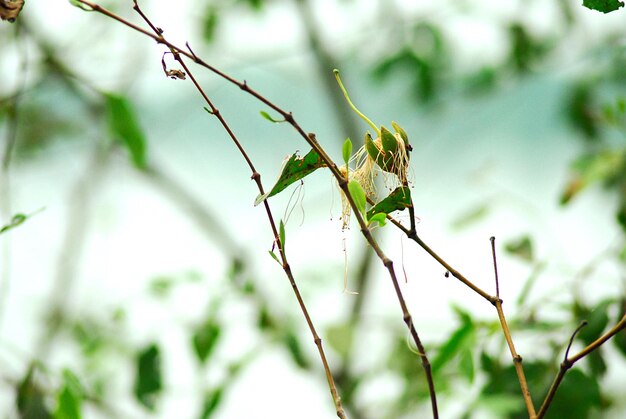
[
  {"x": 257, "y": 178},
  {"x": 569, "y": 362},
  {"x": 517, "y": 359},
  {"x": 412, "y": 234},
  {"x": 206, "y": 220},
  {"x": 495, "y": 264},
  {"x": 494, "y": 300},
  {"x": 75, "y": 236}
]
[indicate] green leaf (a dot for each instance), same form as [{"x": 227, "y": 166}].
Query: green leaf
[
  {"x": 597, "y": 320},
  {"x": 293, "y": 169},
  {"x": 80, "y": 5},
  {"x": 265, "y": 321},
  {"x": 273, "y": 255},
  {"x": 346, "y": 150},
  {"x": 620, "y": 342},
  {"x": 358, "y": 195},
  {"x": 281, "y": 235},
  {"x": 422, "y": 66},
  {"x": 124, "y": 127},
  {"x": 161, "y": 286},
  {"x": 295, "y": 350},
  {"x": 69, "y": 398},
  {"x": 383, "y": 156},
  {"x": 148, "y": 379},
  {"x": 466, "y": 364},
  {"x": 501, "y": 405},
  {"x": 15, "y": 221},
  {"x": 604, "y": 6},
  {"x": 621, "y": 215},
  {"x": 525, "y": 48},
  {"x": 471, "y": 216},
  {"x": 256, "y": 5},
  {"x": 397, "y": 128},
  {"x": 339, "y": 337},
  {"x": 521, "y": 247},
  {"x": 205, "y": 338},
  {"x": 576, "y": 397},
  {"x": 209, "y": 23},
  {"x": 211, "y": 401},
  {"x": 267, "y": 116},
  {"x": 602, "y": 166},
  {"x": 581, "y": 105},
  {"x": 30, "y": 398},
  {"x": 458, "y": 340},
  {"x": 380, "y": 218},
  {"x": 397, "y": 200}
]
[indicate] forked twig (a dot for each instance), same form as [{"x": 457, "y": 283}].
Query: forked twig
[{"x": 569, "y": 362}]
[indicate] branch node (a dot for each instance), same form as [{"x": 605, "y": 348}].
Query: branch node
[{"x": 494, "y": 300}]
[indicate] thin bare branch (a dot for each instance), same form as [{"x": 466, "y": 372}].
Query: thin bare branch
[
  {"x": 517, "y": 361},
  {"x": 571, "y": 339},
  {"x": 569, "y": 362},
  {"x": 495, "y": 264},
  {"x": 213, "y": 110}
]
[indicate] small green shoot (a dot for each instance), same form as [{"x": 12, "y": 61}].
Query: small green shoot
[
  {"x": 346, "y": 150},
  {"x": 267, "y": 116},
  {"x": 281, "y": 234},
  {"x": 354, "y": 108},
  {"x": 358, "y": 195},
  {"x": 17, "y": 220},
  {"x": 380, "y": 218},
  {"x": 273, "y": 255},
  {"x": 80, "y": 5}
]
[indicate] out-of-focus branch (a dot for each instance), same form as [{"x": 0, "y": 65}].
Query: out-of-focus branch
[
  {"x": 569, "y": 362},
  {"x": 10, "y": 139}
]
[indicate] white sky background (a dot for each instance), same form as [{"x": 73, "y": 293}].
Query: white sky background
[{"x": 476, "y": 152}]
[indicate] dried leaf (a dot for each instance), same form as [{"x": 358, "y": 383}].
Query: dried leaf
[{"x": 9, "y": 9}]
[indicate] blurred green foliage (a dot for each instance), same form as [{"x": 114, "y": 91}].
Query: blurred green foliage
[{"x": 472, "y": 356}]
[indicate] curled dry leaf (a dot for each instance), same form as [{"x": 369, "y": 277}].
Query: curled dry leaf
[
  {"x": 9, "y": 9},
  {"x": 174, "y": 73}
]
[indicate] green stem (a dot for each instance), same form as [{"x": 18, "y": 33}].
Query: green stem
[{"x": 354, "y": 108}]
